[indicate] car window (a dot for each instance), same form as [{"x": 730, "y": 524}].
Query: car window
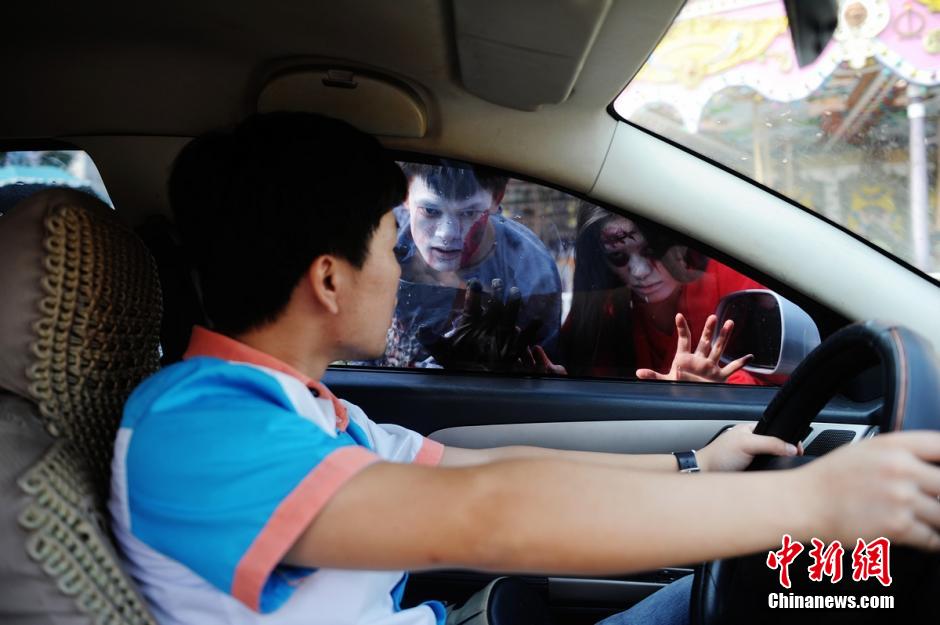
[
  {"x": 597, "y": 291},
  {"x": 852, "y": 135},
  {"x": 26, "y": 171}
]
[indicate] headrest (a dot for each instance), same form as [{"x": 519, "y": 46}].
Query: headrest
[
  {"x": 79, "y": 315},
  {"x": 13, "y": 194}
]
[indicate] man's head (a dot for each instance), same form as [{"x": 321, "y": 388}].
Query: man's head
[
  {"x": 288, "y": 200},
  {"x": 449, "y": 209}
]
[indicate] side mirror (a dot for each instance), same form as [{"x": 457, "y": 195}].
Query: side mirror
[{"x": 778, "y": 332}]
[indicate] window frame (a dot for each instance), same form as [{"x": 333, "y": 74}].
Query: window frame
[{"x": 827, "y": 320}]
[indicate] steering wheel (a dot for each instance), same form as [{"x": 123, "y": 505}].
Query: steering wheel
[{"x": 737, "y": 590}]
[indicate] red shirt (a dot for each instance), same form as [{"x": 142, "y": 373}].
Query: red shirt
[{"x": 655, "y": 349}]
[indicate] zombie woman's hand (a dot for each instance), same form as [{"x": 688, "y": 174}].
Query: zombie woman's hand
[
  {"x": 486, "y": 337},
  {"x": 701, "y": 365}
]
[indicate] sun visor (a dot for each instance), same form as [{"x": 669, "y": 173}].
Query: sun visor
[
  {"x": 528, "y": 53},
  {"x": 369, "y": 102}
]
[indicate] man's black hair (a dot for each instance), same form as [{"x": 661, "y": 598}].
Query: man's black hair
[
  {"x": 257, "y": 205},
  {"x": 457, "y": 181}
]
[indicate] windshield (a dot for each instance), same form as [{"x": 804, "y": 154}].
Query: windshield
[{"x": 852, "y": 136}]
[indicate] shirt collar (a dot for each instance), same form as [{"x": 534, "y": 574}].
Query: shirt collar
[{"x": 205, "y": 342}]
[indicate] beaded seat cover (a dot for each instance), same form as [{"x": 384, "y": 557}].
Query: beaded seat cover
[{"x": 80, "y": 330}]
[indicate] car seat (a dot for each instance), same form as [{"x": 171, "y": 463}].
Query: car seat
[
  {"x": 12, "y": 194},
  {"x": 79, "y": 329}
]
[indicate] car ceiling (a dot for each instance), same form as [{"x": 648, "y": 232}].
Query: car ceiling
[{"x": 180, "y": 68}]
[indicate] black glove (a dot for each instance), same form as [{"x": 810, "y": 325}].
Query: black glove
[{"x": 484, "y": 338}]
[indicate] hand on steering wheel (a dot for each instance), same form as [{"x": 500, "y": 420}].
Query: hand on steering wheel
[
  {"x": 736, "y": 448},
  {"x": 897, "y": 490},
  {"x": 880, "y": 487}
]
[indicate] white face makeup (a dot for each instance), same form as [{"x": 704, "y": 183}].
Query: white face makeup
[
  {"x": 446, "y": 231},
  {"x": 628, "y": 255}
]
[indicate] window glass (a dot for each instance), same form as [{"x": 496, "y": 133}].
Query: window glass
[
  {"x": 597, "y": 292},
  {"x": 852, "y": 135},
  {"x": 25, "y": 172}
]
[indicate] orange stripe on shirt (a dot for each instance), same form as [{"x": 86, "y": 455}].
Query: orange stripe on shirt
[
  {"x": 292, "y": 516},
  {"x": 205, "y": 342},
  {"x": 431, "y": 453}
]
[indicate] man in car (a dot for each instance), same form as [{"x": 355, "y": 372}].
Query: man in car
[
  {"x": 452, "y": 231},
  {"x": 245, "y": 491}
]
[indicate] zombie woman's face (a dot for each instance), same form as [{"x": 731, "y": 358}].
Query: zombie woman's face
[
  {"x": 629, "y": 256},
  {"x": 447, "y": 231}
]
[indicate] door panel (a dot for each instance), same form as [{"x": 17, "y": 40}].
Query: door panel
[
  {"x": 598, "y": 415},
  {"x": 629, "y": 437}
]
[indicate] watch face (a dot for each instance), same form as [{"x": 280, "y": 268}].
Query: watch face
[{"x": 688, "y": 463}]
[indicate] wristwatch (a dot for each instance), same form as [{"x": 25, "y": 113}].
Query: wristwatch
[{"x": 688, "y": 463}]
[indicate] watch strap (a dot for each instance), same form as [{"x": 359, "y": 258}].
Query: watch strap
[{"x": 688, "y": 463}]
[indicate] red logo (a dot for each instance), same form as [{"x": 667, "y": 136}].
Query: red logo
[
  {"x": 782, "y": 559},
  {"x": 872, "y": 560},
  {"x": 826, "y": 562}
]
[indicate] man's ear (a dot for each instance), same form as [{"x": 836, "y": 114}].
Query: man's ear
[{"x": 324, "y": 279}]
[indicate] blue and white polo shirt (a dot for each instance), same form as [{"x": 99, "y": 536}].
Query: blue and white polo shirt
[{"x": 220, "y": 464}]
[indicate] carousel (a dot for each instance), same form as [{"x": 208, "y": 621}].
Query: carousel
[{"x": 852, "y": 135}]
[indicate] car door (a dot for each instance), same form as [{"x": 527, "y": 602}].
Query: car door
[{"x": 596, "y": 407}]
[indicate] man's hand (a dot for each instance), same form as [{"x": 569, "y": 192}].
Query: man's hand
[
  {"x": 735, "y": 448},
  {"x": 885, "y": 486},
  {"x": 701, "y": 365}
]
